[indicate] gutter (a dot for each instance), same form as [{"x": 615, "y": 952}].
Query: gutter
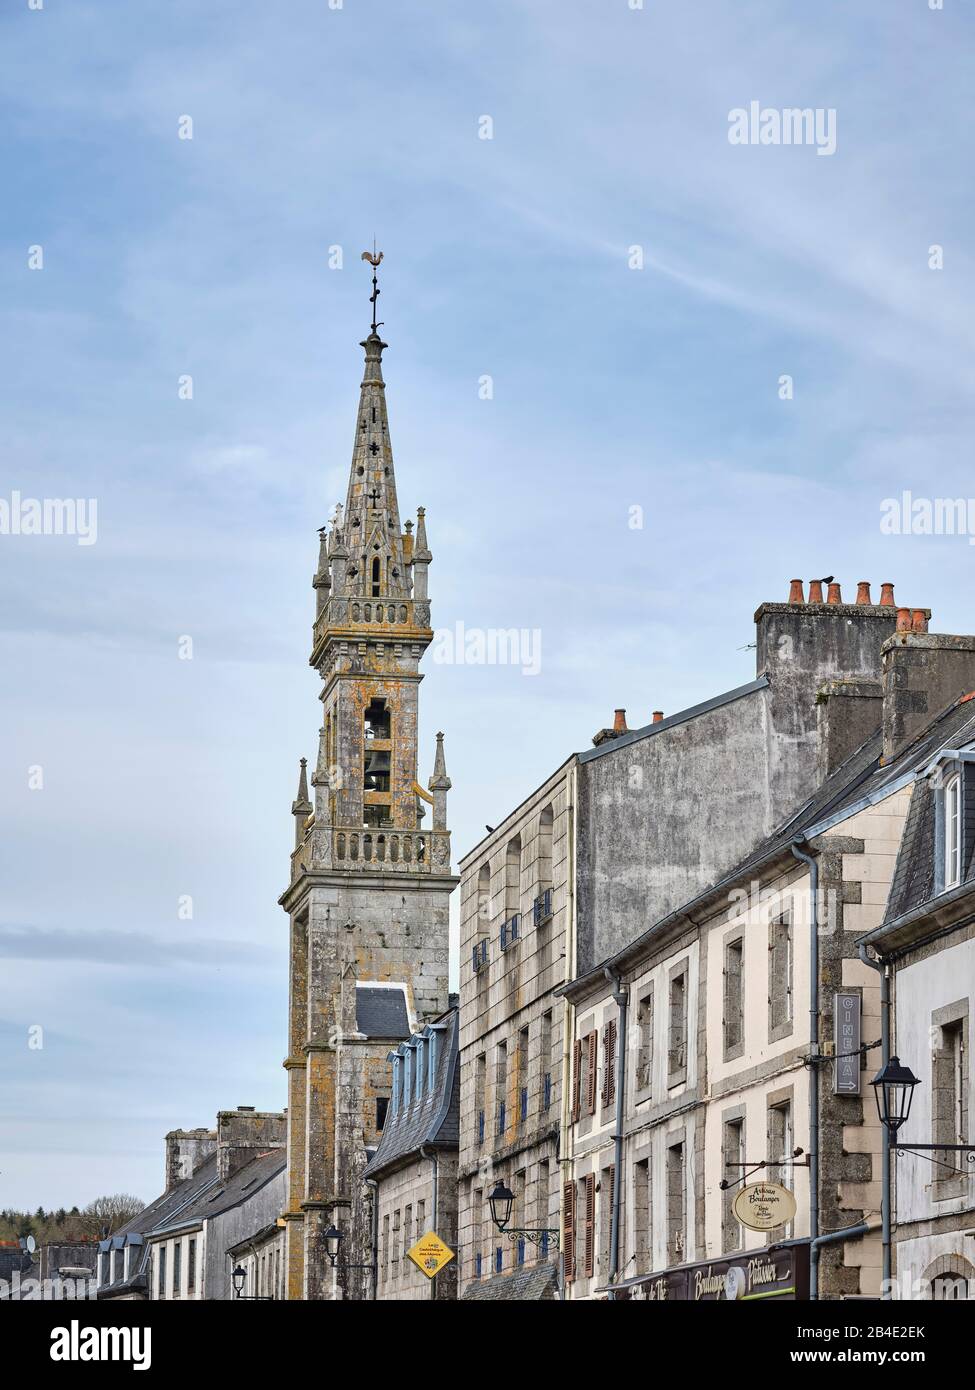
[
  {"x": 813, "y": 864},
  {"x": 374, "y": 1235},
  {"x": 883, "y": 969},
  {"x": 621, "y": 998},
  {"x": 435, "y": 1177}
]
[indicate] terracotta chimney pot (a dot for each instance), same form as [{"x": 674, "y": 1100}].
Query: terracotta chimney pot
[
  {"x": 795, "y": 592},
  {"x": 619, "y": 722},
  {"x": 815, "y": 591},
  {"x": 903, "y": 620},
  {"x": 863, "y": 591},
  {"x": 658, "y": 715},
  {"x": 919, "y": 622},
  {"x": 833, "y": 594},
  {"x": 887, "y": 596}
]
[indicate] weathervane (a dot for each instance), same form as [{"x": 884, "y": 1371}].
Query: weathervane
[{"x": 374, "y": 260}]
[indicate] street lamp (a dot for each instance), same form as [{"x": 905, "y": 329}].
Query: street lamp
[
  {"x": 238, "y": 1278},
  {"x": 332, "y": 1239},
  {"x": 500, "y": 1200},
  {"x": 893, "y": 1089}
]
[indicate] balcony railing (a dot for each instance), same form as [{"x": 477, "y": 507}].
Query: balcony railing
[
  {"x": 542, "y": 907},
  {"x": 510, "y": 931}
]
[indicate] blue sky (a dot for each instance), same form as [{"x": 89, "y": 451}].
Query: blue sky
[{"x": 614, "y": 388}]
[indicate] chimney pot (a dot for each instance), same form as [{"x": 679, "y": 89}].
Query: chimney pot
[
  {"x": 833, "y": 594},
  {"x": 658, "y": 714},
  {"x": 795, "y": 592},
  {"x": 863, "y": 591},
  {"x": 887, "y": 596},
  {"x": 619, "y": 721},
  {"x": 815, "y": 591},
  {"x": 903, "y": 620},
  {"x": 919, "y": 622}
]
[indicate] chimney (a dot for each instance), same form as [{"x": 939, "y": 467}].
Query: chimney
[
  {"x": 847, "y": 712},
  {"x": 658, "y": 715},
  {"x": 244, "y": 1133},
  {"x": 923, "y": 673},
  {"x": 619, "y": 727},
  {"x": 186, "y": 1149},
  {"x": 801, "y": 648}
]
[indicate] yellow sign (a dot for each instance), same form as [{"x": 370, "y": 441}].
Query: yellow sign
[
  {"x": 761, "y": 1206},
  {"x": 430, "y": 1254}
]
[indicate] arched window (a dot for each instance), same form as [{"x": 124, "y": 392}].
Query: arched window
[
  {"x": 375, "y": 577},
  {"x": 543, "y": 866},
  {"x": 483, "y": 900},
  {"x": 512, "y": 878}
]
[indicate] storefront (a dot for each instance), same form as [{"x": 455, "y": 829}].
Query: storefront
[{"x": 781, "y": 1274}]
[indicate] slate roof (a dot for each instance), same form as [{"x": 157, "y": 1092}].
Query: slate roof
[
  {"x": 913, "y": 886},
  {"x": 537, "y": 1283},
  {"x": 223, "y": 1195},
  {"x": 381, "y": 1011},
  {"x": 672, "y": 720},
  {"x": 431, "y": 1119}
]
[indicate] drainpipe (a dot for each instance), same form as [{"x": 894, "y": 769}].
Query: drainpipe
[
  {"x": 435, "y": 1182},
  {"x": 374, "y": 1236},
  {"x": 621, "y": 998},
  {"x": 883, "y": 970},
  {"x": 814, "y": 1066}
]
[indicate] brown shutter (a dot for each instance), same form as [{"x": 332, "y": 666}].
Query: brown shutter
[
  {"x": 590, "y": 1224},
  {"x": 609, "y": 1062},
  {"x": 592, "y": 1043},
  {"x": 576, "y": 1080},
  {"x": 569, "y": 1231}
]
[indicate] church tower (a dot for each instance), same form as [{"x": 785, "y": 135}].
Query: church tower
[{"x": 370, "y": 872}]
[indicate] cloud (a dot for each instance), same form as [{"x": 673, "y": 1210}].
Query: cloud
[{"x": 128, "y": 949}]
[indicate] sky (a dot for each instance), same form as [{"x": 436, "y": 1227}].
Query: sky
[{"x": 592, "y": 300}]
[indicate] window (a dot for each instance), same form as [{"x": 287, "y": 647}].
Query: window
[
  {"x": 385, "y": 1249},
  {"x": 394, "y": 1263},
  {"x": 607, "y": 1182},
  {"x": 734, "y": 1017},
  {"x": 103, "y": 1267},
  {"x": 477, "y": 1232},
  {"x": 780, "y": 977},
  {"x": 177, "y": 1268},
  {"x": 949, "y": 1096},
  {"x": 644, "y": 1056},
  {"x": 421, "y": 1218},
  {"x": 587, "y": 1196},
  {"x": 543, "y": 866},
  {"x": 407, "y": 1233},
  {"x": 397, "y": 1082},
  {"x": 161, "y": 1285},
  {"x": 779, "y": 1144},
  {"x": 191, "y": 1267},
  {"x": 375, "y": 576},
  {"x": 677, "y": 1042},
  {"x": 732, "y": 1160},
  {"x": 512, "y": 878},
  {"x": 480, "y": 1085},
  {"x": 569, "y": 1230},
  {"x": 522, "y": 1076},
  {"x": 642, "y": 1207},
  {"x": 542, "y": 1181},
  {"x": 675, "y": 1204},
  {"x": 483, "y": 924},
  {"x": 382, "y": 1110},
  {"x": 501, "y": 1091},
  {"x": 545, "y": 1050},
  {"x": 952, "y": 866}
]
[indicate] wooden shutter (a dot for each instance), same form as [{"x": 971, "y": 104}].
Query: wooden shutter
[
  {"x": 592, "y": 1044},
  {"x": 609, "y": 1062},
  {"x": 590, "y": 1227},
  {"x": 576, "y": 1080},
  {"x": 569, "y": 1231}
]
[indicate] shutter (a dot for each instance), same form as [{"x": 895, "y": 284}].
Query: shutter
[
  {"x": 576, "y": 1080},
  {"x": 569, "y": 1231},
  {"x": 592, "y": 1043},
  {"x": 609, "y": 1071},
  {"x": 590, "y": 1224}
]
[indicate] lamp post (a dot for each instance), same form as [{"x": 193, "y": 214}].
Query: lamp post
[
  {"x": 501, "y": 1199},
  {"x": 238, "y": 1278},
  {"x": 332, "y": 1239}
]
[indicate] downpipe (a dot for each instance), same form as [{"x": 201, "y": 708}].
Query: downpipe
[
  {"x": 622, "y": 1000},
  {"x": 813, "y": 865},
  {"x": 883, "y": 969}
]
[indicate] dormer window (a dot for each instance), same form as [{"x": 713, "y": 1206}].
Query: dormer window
[{"x": 953, "y": 827}]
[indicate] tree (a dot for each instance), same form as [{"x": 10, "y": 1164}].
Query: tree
[{"x": 110, "y": 1212}]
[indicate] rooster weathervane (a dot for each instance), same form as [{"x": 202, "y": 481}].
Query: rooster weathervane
[{"x": 374, "y": 260}]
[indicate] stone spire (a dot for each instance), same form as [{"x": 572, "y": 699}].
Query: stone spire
[
  {"x": 301, "y": 806},
  {"x": 440, "y": 785}
]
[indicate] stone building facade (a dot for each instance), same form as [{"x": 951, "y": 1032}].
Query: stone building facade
[
  {"x": 370, "y": 879},
  {"x": 516, "y": 948},
  {"x": 413, "y": 1173}
]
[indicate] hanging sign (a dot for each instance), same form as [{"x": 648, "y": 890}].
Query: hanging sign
[
  {"x": 762, "y": 1206},
  {"x": 846, "y": 1044}
]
